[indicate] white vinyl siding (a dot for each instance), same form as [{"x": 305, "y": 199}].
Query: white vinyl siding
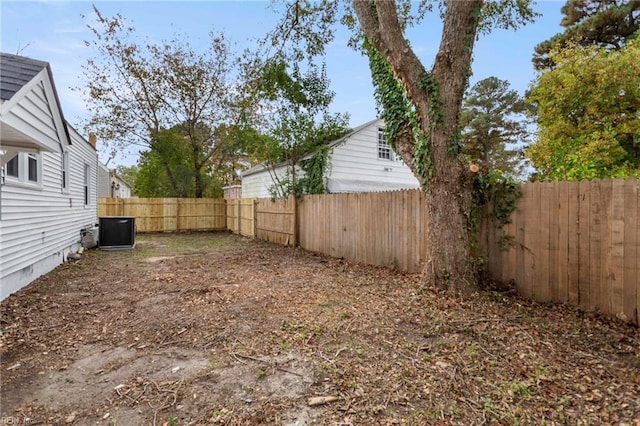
[
  {"x": 257, "y": 185},
  {"x": 355, "y": 165},
  {"x": 38, "y": 223},
  {"x": 357, "y": 159},
  {"x": 104, "y": 181}
]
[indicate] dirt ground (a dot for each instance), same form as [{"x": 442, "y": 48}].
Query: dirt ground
[{"x": 214, "y": 329}]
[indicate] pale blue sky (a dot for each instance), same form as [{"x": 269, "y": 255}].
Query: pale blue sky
[{"x": 54, "y": 31}]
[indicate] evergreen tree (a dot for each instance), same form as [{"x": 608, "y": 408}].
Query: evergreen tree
[
  {"x": 493, "y": 123},
  {"x": 605, "y": 23}
]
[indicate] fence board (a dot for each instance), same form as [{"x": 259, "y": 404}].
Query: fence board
[
  {"x": 595, "y": 239},
  {"x": 605, "y": 282},
  {"x": 531, "y": 208},
  {"x": 584, "y": 203},
  {"x": 573, "y": 242},
  {"x": 631, "y": 251},
  {"x": 542, "y": 290},
  {"x": 550, "y": 193},
  {"x": 616, "y": 266},
  {"x": 275, "y": 220}
]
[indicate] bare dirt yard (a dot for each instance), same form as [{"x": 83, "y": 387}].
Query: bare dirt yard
[{"x": 215, "y": 329}]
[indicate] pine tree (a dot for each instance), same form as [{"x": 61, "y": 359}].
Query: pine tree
[{"x": 605, "y": 23}]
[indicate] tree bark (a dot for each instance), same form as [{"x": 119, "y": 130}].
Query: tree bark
[{"x": 449, "y": 256}]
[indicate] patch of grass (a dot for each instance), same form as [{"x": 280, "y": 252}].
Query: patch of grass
[{"x": 185, "y": 244}]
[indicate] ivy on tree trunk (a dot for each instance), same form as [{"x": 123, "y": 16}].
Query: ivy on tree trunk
[{"x": 424, "y": 122}]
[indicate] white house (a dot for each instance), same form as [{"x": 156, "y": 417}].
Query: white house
[
  {"x": 360, "y": 161},
  {"x": 48, "y": 187},
  {"x": 110, "y": 184}
]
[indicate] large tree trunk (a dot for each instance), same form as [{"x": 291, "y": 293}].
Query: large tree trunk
[
  {"x": 450, "y": 262},
  {"x": 449, "y": 258}
]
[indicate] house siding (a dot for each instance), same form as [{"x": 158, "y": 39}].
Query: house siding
[
  {"x": 256, "y": 185},
  {"x": 41, "y": 224},
  {"x": 357, "y": 159},
  {"x": 104, "y": 181},
  {"x": 354, "y": 166}
]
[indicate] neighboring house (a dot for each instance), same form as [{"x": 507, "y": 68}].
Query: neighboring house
[
  {"x": 110, "y": 185},
  {"x": 48, "y": 187},
  {"x": 360, "y": 161},
  {"x": 104, "y": 181}
]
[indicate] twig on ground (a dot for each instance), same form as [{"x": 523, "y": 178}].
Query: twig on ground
[
  {"x": 270, "y": 363},
  {"x": 477, "y": 320}
]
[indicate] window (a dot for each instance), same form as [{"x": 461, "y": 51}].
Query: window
[
  {"x": 32, "y": 168},
  {"x": 12, "y": 167},
  {"x": 65, "y": 171},
  {"x": 87, "y": 171},
  {"x": 24, "y": 168},
  {"x": 384, "y": 150}
]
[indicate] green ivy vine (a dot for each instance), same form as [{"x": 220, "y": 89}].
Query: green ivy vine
[
  {"x": 495, "y": 189},
  {"x": 315, "y": 169},
  {"x": 396, "y": 110}
]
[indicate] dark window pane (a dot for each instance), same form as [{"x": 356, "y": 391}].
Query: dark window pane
[
  {"x": 33, "y": 169},
  {"x": 12, "y": 167}
]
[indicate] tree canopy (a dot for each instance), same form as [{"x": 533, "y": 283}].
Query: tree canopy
[
  {"x": 291, "y": 90},
  {"x": 587, "y": 113},
  {"x": 494, "y": 126},
  {"x": 605, "y": 23},
  {"x": 145, "y": 93}
]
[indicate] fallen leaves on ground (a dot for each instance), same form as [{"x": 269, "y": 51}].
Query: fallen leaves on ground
[{"x": 196, "y": 329}]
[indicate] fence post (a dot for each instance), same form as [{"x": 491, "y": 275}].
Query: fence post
[
  {"x": 294, "y": 208},
  {"x": 177, "y": 214},
  {"x": 254, "y": 206},
  {"x": 239, "y": 200}
]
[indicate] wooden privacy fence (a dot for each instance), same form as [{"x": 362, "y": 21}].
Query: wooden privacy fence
[
  {"x": 168, "y": 214},
  {"x": 573, "y": 242},
  {"x": 276, "y": 220}
]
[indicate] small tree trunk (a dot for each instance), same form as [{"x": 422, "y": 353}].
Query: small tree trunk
[{"x": 199, "y": 190}]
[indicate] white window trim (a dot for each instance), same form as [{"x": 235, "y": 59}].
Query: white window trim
[
  {"x": 64, "y": 172},
  {"x": 86, "y": 193},
  {"x": 383, "y": 146},
  {"x": 23, "y": 172}
]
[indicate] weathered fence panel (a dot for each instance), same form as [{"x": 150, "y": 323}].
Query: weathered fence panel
[
  {"x": 276, "y": 220},
  {"x": 168, "y": 214},
  {"x": 384, "y": 228},
  {"x": 575, "y": 242}
]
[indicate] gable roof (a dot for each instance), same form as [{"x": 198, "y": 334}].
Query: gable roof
[
  {"x": 15, "y": 72},
  {"x": 18, "y": 76},
  {"x": 262, "y": 167}
]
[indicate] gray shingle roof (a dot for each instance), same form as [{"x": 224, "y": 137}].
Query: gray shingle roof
[{"x": 15, "y": 72}]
